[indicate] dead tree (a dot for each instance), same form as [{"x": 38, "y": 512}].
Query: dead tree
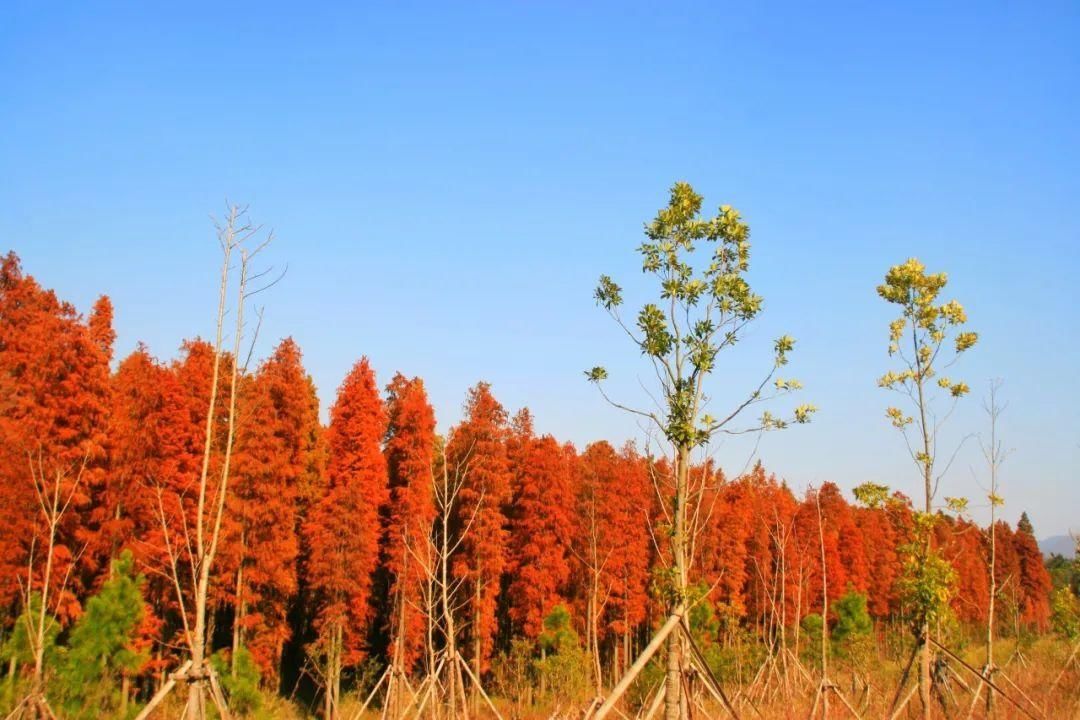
[
  {"x": 55, "y": 490},
  {"x": 192, "y": 583},
  {"x": 441, "y": 693}
]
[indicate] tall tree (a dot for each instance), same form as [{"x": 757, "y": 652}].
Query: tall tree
[
  {"x": 699, "y": 313},
  {"x": 54, "y": 378},
  {"x": 1034, "y": 578},
  {"x": 153, "y": 456},
  {"x": 995, "y": 454},
  {"x": 344, "y": 527},
  {"x": 540, "y": 530},
  {"x": 208, "y": 495},
  {"x": 54, "y": 371},
  {"x": 273, "y": 463},
  {"x": 410, "y": 458},
  {"x": 923, "y": 338},
  {"x": 612, "y": 547},
  {"x": 477, "y": 453}
]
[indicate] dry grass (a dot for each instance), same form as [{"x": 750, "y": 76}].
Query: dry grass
[{"x": 1038, "y": 671}]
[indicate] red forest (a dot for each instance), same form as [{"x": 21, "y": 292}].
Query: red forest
[{"x": 325, "y": 541}]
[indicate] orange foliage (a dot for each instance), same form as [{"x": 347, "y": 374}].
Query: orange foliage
[
  {"x": 410, "y": 454},
  {"x": 343, "y": 528},
  {"x": 477, "y": 450}
]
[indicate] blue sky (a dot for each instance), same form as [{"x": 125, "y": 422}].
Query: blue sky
[{"x": 448, "y": 180}]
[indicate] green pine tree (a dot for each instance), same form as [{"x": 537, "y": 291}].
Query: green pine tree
[
  {"x": 240, "y": 680},
  {"x": 853, "y": 624},
  {"x": 563, "y": 664},
  {"x": 99, "y": 652}
]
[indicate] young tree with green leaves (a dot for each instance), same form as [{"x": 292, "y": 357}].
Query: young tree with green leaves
[
  {"x": 699, "y": 313},
  {"x": 927, "y": 338},
  {"x": 100, "y": 658}
]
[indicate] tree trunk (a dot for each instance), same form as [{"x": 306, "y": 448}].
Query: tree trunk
[
  {"x": 125, "y": 691},
  {"x": 673, "y": 706},
  {"x": 592, "y": 632},
  {"x": 475, "y": 695},
  {"x": 241, "y": 609},
  {"x": 195, "y": 707}
]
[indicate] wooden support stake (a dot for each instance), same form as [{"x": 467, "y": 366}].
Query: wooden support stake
[
  {"x": 371, "y": 696},
  {"x": 638, "y": 666},
  {"x": 703, "y": 666},
  {"x": 163, "y": 692},
  {"x": 988, "y": 681},
  {"x": 478, "y": 686}
]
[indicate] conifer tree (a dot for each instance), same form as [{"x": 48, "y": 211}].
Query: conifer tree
[
  {"x": 101, "y": 657},
  {"x": 477, "y": 453},
  {"x": 1034, "y": 579},
  {"x": 540, "y": 530},
  {"x": 410, "y": 458},
  {"x": 273, "y": 461},
  {"x": 54, "y": 376},
  {"x": 344, "y": 527}
]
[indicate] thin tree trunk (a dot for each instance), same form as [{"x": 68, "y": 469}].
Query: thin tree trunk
[
  {"x": 673, "y": 706},
  {"x": 476, "y": 643},
  {"x": 928, "y": 483},
  {"x": 824, "y": 617},
  {"x": 241, "y": 605}
]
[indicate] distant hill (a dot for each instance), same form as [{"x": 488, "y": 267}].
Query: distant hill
[{"x": 1059, "y": 544}]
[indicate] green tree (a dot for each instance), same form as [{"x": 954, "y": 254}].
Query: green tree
[
  {"x": 1065, "y": 613},
  {"x": 18, "y": 647},
  {"x": 563, "y": 664},
  {"x": 853, "y": 623},
  {"x": 813, "y": 625},
  {"x": 240, "y": 679},
  {"x": 1063, "y": 572},
  {"x": 99, "y": 657},
  {"x": 700, "y": 312},
  {"x": 925, "y": 338}
]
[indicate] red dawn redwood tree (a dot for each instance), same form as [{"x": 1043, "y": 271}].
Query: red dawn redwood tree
[
  {"x": 344, "y": 527},
  {"x": 629, "y": 498},
  {"x": 152, "y": 450},
  {"x": 612, "y": 547},
  {"x": 53, "y": 412},
  {"x": 1035, "y": 585},
  {"x": 880, "y": 541},
  {"x": 477, "y": 452},
  {"x": 54, "y": 376},
  {"x": 541, "y": 525},
  {"x": 410, "y": 457},
  {"x": 274, "y": 460}
]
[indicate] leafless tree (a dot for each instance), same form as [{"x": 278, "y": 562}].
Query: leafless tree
[
  {"x": 191, "y": 564},
  {"x": 55, "y": 488}
]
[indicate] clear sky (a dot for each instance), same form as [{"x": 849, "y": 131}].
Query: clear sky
[{"x": 447, "y": 180}]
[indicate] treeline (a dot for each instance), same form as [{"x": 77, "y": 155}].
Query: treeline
[{"x": 332, "y": 537}]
